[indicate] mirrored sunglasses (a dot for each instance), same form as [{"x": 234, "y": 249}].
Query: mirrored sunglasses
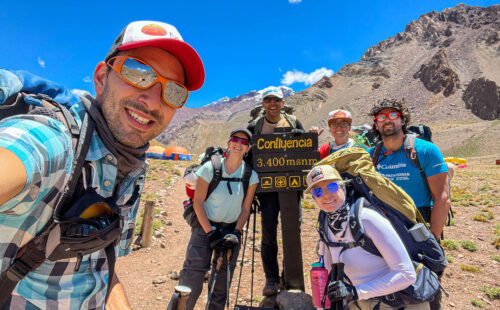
[
  {"x": 332, "y": 188},
  {"x": 236, "y": 139},
  {"x": 272, "y": 98},
  {"x": 391, "y": 115},
  {"x": 139, "y": 74}
]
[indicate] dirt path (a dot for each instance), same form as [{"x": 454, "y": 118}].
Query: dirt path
[{"x": 475, "y": 190}]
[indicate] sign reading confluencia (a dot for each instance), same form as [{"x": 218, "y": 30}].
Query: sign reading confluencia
[
  {"x": 281, "y": 160},
  {"x": 285, "y": 142}
]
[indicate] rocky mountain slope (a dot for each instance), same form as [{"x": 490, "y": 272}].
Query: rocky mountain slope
[{"x": 446, "y": 65}]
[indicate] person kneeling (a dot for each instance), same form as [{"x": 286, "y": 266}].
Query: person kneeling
[{"x": 367, "y": 276}]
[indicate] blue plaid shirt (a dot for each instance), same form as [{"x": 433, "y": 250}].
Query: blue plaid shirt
[{"x": 44, "y": 146}]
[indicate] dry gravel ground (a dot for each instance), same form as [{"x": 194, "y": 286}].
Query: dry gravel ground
[{"x": 475, "y": 189}]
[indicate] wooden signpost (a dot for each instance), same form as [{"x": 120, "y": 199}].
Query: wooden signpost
[{"x": 282, "y": 161}]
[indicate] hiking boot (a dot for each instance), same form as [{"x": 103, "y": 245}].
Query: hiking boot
[{"x": 271, "y": 288}]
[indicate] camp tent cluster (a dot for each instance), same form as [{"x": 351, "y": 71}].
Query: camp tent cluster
[{"x": 174, "y": 152}]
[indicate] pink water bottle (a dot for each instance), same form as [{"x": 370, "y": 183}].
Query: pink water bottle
[{"x": 319, "y": 280}]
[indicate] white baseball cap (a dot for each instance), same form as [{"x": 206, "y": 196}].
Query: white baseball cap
[
  {"x": 339, "y": 114},
  {"x": 162, "y": 35},
  {"x": 273, "y": 91}
]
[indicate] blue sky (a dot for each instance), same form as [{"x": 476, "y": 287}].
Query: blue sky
[{"x": 245, "y": 45}]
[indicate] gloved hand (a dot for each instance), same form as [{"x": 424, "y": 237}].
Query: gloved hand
[
  {"x": 215, "y": 238},
  {"x": 339, "y": 290},
  {"x": 230, "y": 241},
  {"x": 237, "y": 233},
  {"x": 297, "y": 131}
]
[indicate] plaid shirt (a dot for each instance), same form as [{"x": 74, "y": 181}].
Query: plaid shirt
[{"x": 45, "y": 147}]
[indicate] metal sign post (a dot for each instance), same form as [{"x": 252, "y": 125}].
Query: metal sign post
[{"x": 282, "y": 161}]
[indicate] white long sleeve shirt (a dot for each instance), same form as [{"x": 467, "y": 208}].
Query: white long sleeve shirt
[{"x": 373, "y": 276}]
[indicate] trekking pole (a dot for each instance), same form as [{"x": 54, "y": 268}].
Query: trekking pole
[
  {"x": 217, "y": 268},
  {"x": 253, "y": 251},
  {"x": 228, "y": 276},
  {"x": 338, "y": 271},
  {"x": 242, "y": 261},
  {"x": 179, "y": 298}
]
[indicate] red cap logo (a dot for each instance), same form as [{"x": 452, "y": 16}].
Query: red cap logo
[
  {"x": 340, "y": 114},
  {"x": 317, "y": 175},
  {"x": 154, "y": 30}
]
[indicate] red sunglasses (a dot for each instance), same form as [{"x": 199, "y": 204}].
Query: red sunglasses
[
  {"x": 391, "y": 115},
  {"x": 237, "y": 139}
]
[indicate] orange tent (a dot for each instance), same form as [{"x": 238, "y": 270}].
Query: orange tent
[{"x": 174, "y": 151}]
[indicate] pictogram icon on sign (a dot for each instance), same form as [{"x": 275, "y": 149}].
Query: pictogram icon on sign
[
  {"x": 266, "y": 182},
  {"x": 304, "y": 179},
  {"x": 294, "y": 181},
  {"x": 280, "y": 181}
]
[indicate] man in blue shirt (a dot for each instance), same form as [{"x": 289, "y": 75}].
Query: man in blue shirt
[
  {"x": 390, "y": 121},
  {"x": 391, "y": 118},
  {"x": 144, "y": 78}
]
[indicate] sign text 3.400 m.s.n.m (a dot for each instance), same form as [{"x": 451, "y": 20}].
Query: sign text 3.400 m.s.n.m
[{"x": 282, "y": 158}]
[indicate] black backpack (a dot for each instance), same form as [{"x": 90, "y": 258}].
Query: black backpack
[
  {"x": 428, "y": 256},
  {"x": 215, "y": 155},
  {"x": 75, "y": 229},
  {"x": 423, "y": 131}
]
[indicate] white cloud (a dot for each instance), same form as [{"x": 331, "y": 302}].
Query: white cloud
[
  {"x": 296, "y": 76},
  {"x": 294, "y": 1},
  {"x": 87, "y": 79},
  {"x": 41, "y": 62},
  {"x": 79, "y": 92}
]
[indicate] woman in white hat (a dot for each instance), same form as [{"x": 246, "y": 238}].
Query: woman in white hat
[{"x": 371, "y": 276}]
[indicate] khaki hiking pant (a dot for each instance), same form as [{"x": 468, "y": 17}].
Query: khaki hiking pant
[{"x": 371, "y": 303}]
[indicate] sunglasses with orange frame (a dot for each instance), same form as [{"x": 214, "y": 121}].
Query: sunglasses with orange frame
[{"x": 138, "y": 73}]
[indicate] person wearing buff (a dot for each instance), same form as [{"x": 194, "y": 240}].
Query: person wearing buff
[
  {"x": 371, "y": 276},
  {"x": 221, "y": 218},
  {"x": 339, "y": 123},
  {"x": 145, "y": 77},
  {"x": 274, "y": 117}
]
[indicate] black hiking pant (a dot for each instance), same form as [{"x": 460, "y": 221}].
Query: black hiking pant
[
  {"x": 197, "y": 263},
  {"x": 436, "y": 302},
  {"x": 270, "y": 208}
]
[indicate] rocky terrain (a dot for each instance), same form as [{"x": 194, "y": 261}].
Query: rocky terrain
[
  {"x": 446, "y": 65},
  {"x": 472, "y": 242}
]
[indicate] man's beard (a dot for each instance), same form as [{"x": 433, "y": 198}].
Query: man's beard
[
  {"x": 390, "y": 132},
  {"x": 111, "y": 110}
]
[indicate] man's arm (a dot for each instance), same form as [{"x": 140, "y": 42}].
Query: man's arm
[
  {"x": 438, "y": 184},
  {"x": 117, "y": 298},
  {"x": 12, "y": 175}
]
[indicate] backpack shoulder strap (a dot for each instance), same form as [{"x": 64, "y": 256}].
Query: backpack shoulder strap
[
  {"x": 259, "y": 123},
  {"x": 292, "y": 120},
  {"x": 411, "y": 153},
  {"x": 33, "y": 254},
  {"x": 376, "y": 152},
  {"x": 357, "y": 229},
  {"x": 217, "y": 173},
  {"x": 330, "y": 149},
  {"x": 247, "y": 173}
]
